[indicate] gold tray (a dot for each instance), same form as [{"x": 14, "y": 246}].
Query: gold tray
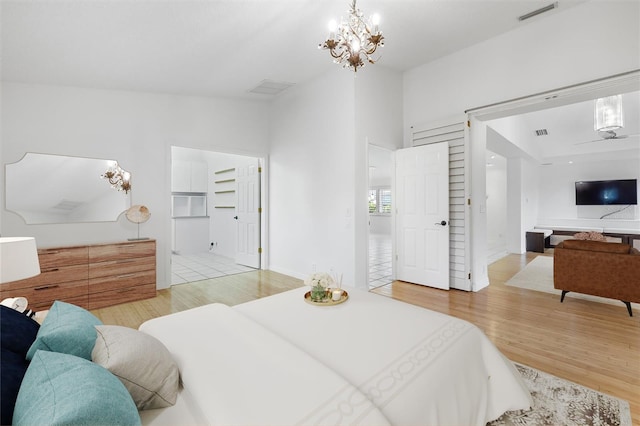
[{"x": 329, "y": 301}]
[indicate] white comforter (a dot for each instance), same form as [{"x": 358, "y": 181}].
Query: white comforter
[{"x": 279, "y": 360}]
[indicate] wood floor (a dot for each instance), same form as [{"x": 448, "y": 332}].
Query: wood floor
[{"x": 593, "y": 344}]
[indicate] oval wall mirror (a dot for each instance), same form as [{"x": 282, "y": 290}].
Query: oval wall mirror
[{"x": 45, "y": 188}]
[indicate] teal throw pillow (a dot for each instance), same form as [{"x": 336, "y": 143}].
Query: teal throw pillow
[
  {"x": 67, "y": 329},
  {"x": 60, "y": 389}
]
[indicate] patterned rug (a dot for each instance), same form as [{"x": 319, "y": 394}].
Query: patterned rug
[{"x": 559, "y": 402}]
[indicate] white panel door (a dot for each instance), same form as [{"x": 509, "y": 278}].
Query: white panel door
[
  {"x": 422, "y": 215},
  {"x": 248, "y": 214}
]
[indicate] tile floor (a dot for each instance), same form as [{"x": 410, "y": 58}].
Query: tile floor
[
  {"x": 202, "y": 266},
  {"x": 379, "y": 260}
]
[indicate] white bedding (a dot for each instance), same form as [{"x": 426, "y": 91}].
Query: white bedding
[
  {"x": 278, "y": 360},
  {"x": 237, "y": 372}
]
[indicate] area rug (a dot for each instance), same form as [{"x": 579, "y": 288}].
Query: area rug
[
  {"x": 559, "y": 402},
  {"x": 538, "y": 276}
]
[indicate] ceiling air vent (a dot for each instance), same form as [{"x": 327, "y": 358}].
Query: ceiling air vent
[
  {"x": 542, "y": 132},
  {"x": 270, "y": 87}
]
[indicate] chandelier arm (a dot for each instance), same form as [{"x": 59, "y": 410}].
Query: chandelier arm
[{"x": 336, "y": 53}]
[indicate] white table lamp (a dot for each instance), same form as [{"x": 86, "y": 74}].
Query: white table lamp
[{"x": 18, "y": 258}]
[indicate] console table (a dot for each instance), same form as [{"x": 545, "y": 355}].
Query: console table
[
  {"x": 91, "y": 276},
  {"x": 538, "y": 239}
]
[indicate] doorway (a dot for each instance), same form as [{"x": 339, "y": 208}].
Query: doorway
[
  {"x": 380, "y": 201},
  {"x": 205, "y": 212},
  {"x": 566, "y": 148}
]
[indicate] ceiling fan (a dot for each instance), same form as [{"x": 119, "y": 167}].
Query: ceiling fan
[{"x": 607, "y": 135}]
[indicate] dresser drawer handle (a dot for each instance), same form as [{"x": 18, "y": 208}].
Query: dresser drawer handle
[
  {"x": 125, "y": 290},
  {"x": 46, "y": 287},
  {"x": 125, "y": 261},
  {"x": 126, "y": 275},
  {"x": 51, "y": 270}
]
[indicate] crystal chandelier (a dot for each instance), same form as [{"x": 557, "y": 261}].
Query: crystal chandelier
[
  {"x": 118, "y": 178},
  {"x": 354, "y": 40},
  {"x": 608, "y": 114}
]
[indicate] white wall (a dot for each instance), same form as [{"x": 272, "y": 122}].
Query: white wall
[
  {"x": 497, "y": 205},
  {"x": 318, "y": 169},
  {"x": 557, "y": 193},
  {"x": 529, "y": 197},
  {"x": 587, "y": 42},
  {"x": 135, "y": 128},
  {"x": 311, "y": 180},
  {"x": 380, "y": 224}
]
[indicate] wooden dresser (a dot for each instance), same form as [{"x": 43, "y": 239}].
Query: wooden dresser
[{"x": 92, "y": 276}]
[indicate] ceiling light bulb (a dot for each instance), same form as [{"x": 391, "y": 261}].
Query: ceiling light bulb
[
  {"x": 355, "y": 45},
  {"x": 333, "y": 25},
  {"x": 375, "y": 19}
]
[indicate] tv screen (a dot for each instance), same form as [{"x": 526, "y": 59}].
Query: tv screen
[{"x": 604, "y": 192}]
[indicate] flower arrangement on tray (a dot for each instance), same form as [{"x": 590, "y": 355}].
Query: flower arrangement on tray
[{"x": 319, "y": 283}]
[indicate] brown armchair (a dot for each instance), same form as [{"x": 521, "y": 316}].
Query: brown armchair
[{"x": 598, "y": 268}]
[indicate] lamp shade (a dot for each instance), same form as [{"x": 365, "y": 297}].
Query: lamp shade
[{"x": 18, "y": 258}]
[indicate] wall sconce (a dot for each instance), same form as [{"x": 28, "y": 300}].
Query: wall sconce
[{"x": 118, "y": 178}]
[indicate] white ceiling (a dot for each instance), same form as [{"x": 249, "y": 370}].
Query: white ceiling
[
  {"x": 571, "y": 135},
  {"x": 227, "y": 47}
]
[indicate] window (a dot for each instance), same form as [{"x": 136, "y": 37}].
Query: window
[
  {"x": 380, "y": 201},
  {"x": 373, "y": 200},
  {"x": 384, "y": 195}
]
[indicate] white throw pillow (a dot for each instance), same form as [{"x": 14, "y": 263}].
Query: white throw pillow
[{"x": 141, "y": 362}]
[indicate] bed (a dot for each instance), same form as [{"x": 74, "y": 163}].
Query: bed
[{"x": 370, "y": 360}]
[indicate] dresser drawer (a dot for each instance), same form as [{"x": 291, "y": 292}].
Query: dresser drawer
[
  {"x": 114, "y": 282},
  {"x": 56, "y": 257},
  {"x": 53, "y": 275},
  {"x": 121, "y": 267},
  {"x": 103, "y": 253},
  {"x": 45, "y": 294},
  {"x": 115, "y": 297},
  {"x": 82, "y": 301}
]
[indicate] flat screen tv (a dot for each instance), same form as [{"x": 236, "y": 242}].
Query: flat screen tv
[{"x": 605, "y": 192}]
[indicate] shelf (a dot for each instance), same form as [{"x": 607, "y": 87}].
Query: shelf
[
  {"x": 225, "y": 171},
  {"x": 188, "y": 205},
  {"x": 224, "y": 181},
  {"x": 225, "y": 192}
]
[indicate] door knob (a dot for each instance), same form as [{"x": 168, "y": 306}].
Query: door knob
[
  {"x": 443, "y": 223},
  {"x": 235, "y": 217}
]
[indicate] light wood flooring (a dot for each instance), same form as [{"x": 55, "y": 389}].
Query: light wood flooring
[{"x": 593, "y": 344}]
